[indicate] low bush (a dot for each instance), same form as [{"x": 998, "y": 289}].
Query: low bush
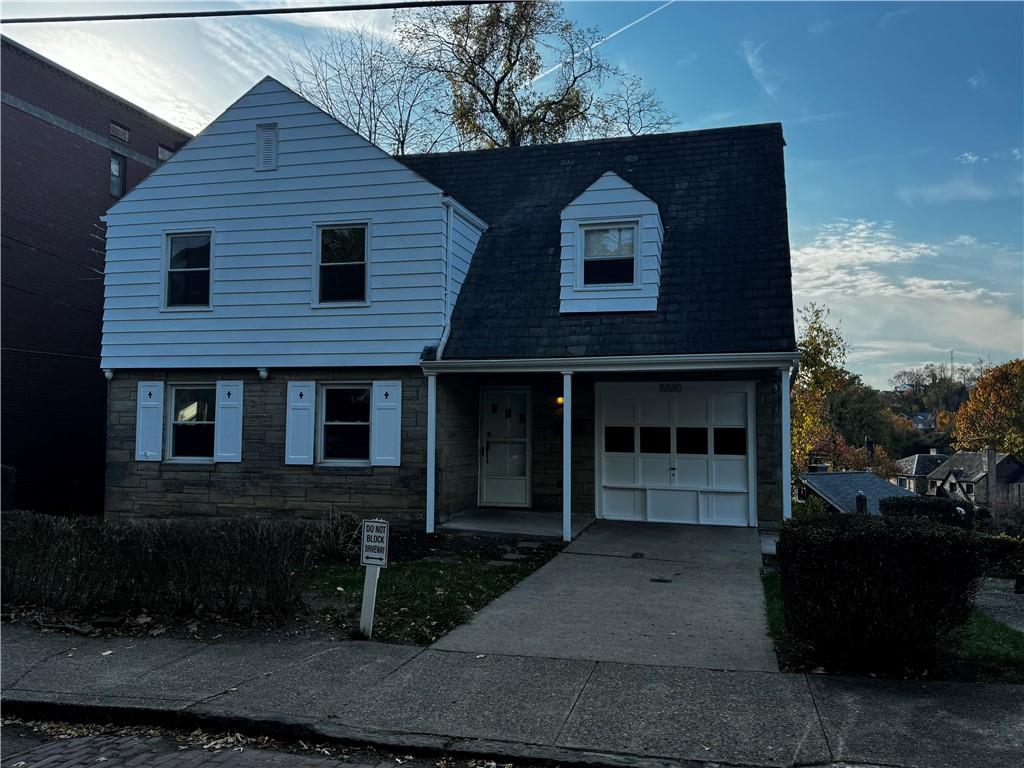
[
  {"x": 813, "y": 509},
  {"x": 870, "y": 594},
  {"x": 934, "y": 508},
  {"x": 336, "y": 537},
  {"x": 244, "y": 568},
  {"x": 1004, "y": 555}
]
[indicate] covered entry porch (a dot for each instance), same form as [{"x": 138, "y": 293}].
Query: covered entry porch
[{"x": 559, "y": 443}]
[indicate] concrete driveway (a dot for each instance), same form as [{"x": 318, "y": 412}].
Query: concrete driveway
[{"x": 636, "y": 593}]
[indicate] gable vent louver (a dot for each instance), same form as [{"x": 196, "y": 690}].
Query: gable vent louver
[{"x": 266, "y": 147}]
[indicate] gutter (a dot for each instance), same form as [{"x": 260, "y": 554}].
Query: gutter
[
  {"x": 447, "y": 328},
  {"x": 718, "y": 361}
]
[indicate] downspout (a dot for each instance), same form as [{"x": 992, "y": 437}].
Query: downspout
[{"x": 446, "y": 329}]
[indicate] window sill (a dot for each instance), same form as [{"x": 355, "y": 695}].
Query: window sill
[
  {"x": 339, "y": 304},
  {"x": 197, "y": 460},
  {"x": 343, "y": 464},
  {"x": 609, "y": 287},
  {"x": 186, "y": 309}
]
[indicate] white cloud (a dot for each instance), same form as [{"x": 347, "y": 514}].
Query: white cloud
[
  {"x": 967, "y": 158},
  {"x": 952, "y": 191},
  {"x": 902, "y": 302},
  {"x": 891, "y": 16},
  {"x": 821, "y": 27},
  {"x": 978, "y": 80},
  {"x": 248, "y": 48},
  {"x": 768, "y": 79}
]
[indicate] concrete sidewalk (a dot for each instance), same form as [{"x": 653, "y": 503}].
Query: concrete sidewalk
[{"x": 516, "y": 707}]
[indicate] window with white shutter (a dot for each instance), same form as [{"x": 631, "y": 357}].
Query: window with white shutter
[
  {"x": 300, "y": 424},
  {"x": 266, "y": 147},
  {"x": 228, "y": 429},
  {"x": 149, "y": 421},
  {"x": 386, "y": 424}
]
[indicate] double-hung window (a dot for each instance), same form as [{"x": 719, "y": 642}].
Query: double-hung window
[
  {"x": 341, "y": 264},
  {"x": 193, "y": 419},
  {"x": 609, "y": 254},
  {"x": 118, "y": 173},
  {"x": 188, "y": 270},
  {"x": 345, "y": 423}
]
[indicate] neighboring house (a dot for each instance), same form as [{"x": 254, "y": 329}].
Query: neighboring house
[
  {"x": 297, "y": 322},
  {"x": 912, "y": 471},
  {"x": 840, "y": 489},
  {"x": 966, "y": 475},
  {"x": 923, "y": 421},
  {"x": 70, "y": 149}
]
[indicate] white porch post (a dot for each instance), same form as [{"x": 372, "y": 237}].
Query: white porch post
[
  {"x": 787, "y": 479},
  {"x": 431, "y": 447},
  {"x": 567, "y": 456}
]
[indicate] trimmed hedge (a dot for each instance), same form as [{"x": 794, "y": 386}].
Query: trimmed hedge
[
  {"x": 934, "y": 508},
  {"x": 868, "y": 594},
  {"x": 244, "y": 568}
]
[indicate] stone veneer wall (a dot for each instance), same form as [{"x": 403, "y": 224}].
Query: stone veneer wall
[{"x": 262, "y": 484}]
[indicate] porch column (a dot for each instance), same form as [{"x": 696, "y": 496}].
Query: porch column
[
  {"x": 787, "y": 479},
  {"x": 567, "y": 456},
  {"x": 431, "y": 447}
]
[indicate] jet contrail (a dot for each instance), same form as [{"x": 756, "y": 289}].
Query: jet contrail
[{"x": 605, "y": 39}]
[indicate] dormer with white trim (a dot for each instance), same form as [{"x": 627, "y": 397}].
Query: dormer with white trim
[{"x": 611, "y": 249}]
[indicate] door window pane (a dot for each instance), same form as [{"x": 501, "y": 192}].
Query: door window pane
[
  {"x": 619, "y": 440},
  {"x": 655, "y": 440},
  {"x": 730, "y": 441},
  {"x": 692, "y": 440}
]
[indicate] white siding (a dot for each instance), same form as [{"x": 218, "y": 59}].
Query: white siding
[
  {"x": 611, "y": 199},
  {"x": 465, "y": 236},
  {"x": 263, "y": 225}
]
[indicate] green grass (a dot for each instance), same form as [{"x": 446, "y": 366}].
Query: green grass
[
  {"x": 418, "y": 601},
  {"x": 983, "y": 649}
]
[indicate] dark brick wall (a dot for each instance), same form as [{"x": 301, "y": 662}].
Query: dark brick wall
[
  {"x": 55, "y": 186},
  {"x": 261, "y": 484}
]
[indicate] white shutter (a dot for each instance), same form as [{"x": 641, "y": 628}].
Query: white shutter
[
  {"x": 386, "y": 424},
  {"x": 149, "y": 421},
  {"x": 266, "y": 147},
  {"x": 227, "y": 430},
  {"x": 299, "y": 430}
]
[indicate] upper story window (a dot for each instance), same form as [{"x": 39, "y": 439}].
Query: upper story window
[
  {"x": 163, "y": 153},
  {"x": 188, "y": 270},
  {"x": 609, "y": 254},
  {"x": 341, "y": 264},
  {"x": 969, "y": 489},
  {"x": 193, "y": 421},
  {"x": 119, "y": 132},
  {"x": 118, "y": 172},
  {"x": 266, "y": 147}
]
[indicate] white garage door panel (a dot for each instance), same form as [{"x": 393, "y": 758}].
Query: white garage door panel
[{"x": 659, "y": 483}]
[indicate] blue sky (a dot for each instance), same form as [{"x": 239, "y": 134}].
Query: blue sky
[{"x": 904, "y": 124}]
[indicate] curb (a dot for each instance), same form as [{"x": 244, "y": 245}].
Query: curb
[{"x": 298, "y": 729}]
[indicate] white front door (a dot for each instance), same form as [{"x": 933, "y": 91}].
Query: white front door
[
  {"x": 505, "y": 447},
  {"x": 677, "y": 452}
]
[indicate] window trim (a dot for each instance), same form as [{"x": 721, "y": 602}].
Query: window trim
[
  {"x": 124, "y": 175},
  {"x": 321, "y": 413},
  {"x": 318, "y": 227},
  {"x": 166, "y": 269},
  {"x": 169, "y": 388},
  {"x": 581, "y": 257}
]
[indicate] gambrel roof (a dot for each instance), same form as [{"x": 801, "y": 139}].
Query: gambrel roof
[{"x": 725, "y": 282}]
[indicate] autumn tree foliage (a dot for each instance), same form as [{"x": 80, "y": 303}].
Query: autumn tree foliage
[{"x": 994, "y": 413}]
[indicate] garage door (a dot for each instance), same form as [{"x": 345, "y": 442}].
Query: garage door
[{"x": 676, "y": 452}]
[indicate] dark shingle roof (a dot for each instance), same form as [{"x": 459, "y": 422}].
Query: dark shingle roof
[
  {"x": 840, "y": 489},
  {"x": 920, "y": 464},
  {"x": 970, "y": 466},
  {"x": 725, "y": 284}
]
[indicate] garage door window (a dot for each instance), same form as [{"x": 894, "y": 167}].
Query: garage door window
[
  {"x": 619, "y": 440},
  {"x": 655, "y": 440},
  {"x": 730, "y": 441},
  {"x": 692, "y": 440}
]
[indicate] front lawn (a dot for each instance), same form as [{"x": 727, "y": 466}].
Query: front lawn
[
  {"x": 983, "y": 650},
  {"x": 418, "y": 601}
]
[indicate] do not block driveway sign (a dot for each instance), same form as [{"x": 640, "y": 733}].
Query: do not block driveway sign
[{"x": 375, "y": 543}]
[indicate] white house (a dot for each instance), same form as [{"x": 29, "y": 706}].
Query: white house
[{"x": 297, "y": 322}]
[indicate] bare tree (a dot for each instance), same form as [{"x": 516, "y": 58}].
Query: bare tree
[
  {"x": 377, "y": 89},
  {"x": 629, "y": 109}
]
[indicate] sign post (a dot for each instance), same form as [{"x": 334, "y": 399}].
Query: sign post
[{"x": 374, "y": 556}]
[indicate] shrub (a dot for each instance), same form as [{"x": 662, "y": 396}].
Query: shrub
[
  {"x": 876, "y": 594},
  {"x": 934, "y": 508},
  {"x": 336, "y": 537},
  {"x": 1004, "y": 555},
  {"x": 235, "y": 569},
  {"x": 813, "y": 509}
]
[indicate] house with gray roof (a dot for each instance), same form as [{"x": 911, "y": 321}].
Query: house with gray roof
[
  {"x": 912, "y": 471},
  {"x": 841, "y": 489},
  {"x": 296, "y": 322},
  {"x": 967, "y": 475}
]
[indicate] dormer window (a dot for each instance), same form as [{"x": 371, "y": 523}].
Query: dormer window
[{"x": 609, "y": 254}]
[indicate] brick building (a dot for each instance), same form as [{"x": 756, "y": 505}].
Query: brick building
[{"x": 70, "y": 149}]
